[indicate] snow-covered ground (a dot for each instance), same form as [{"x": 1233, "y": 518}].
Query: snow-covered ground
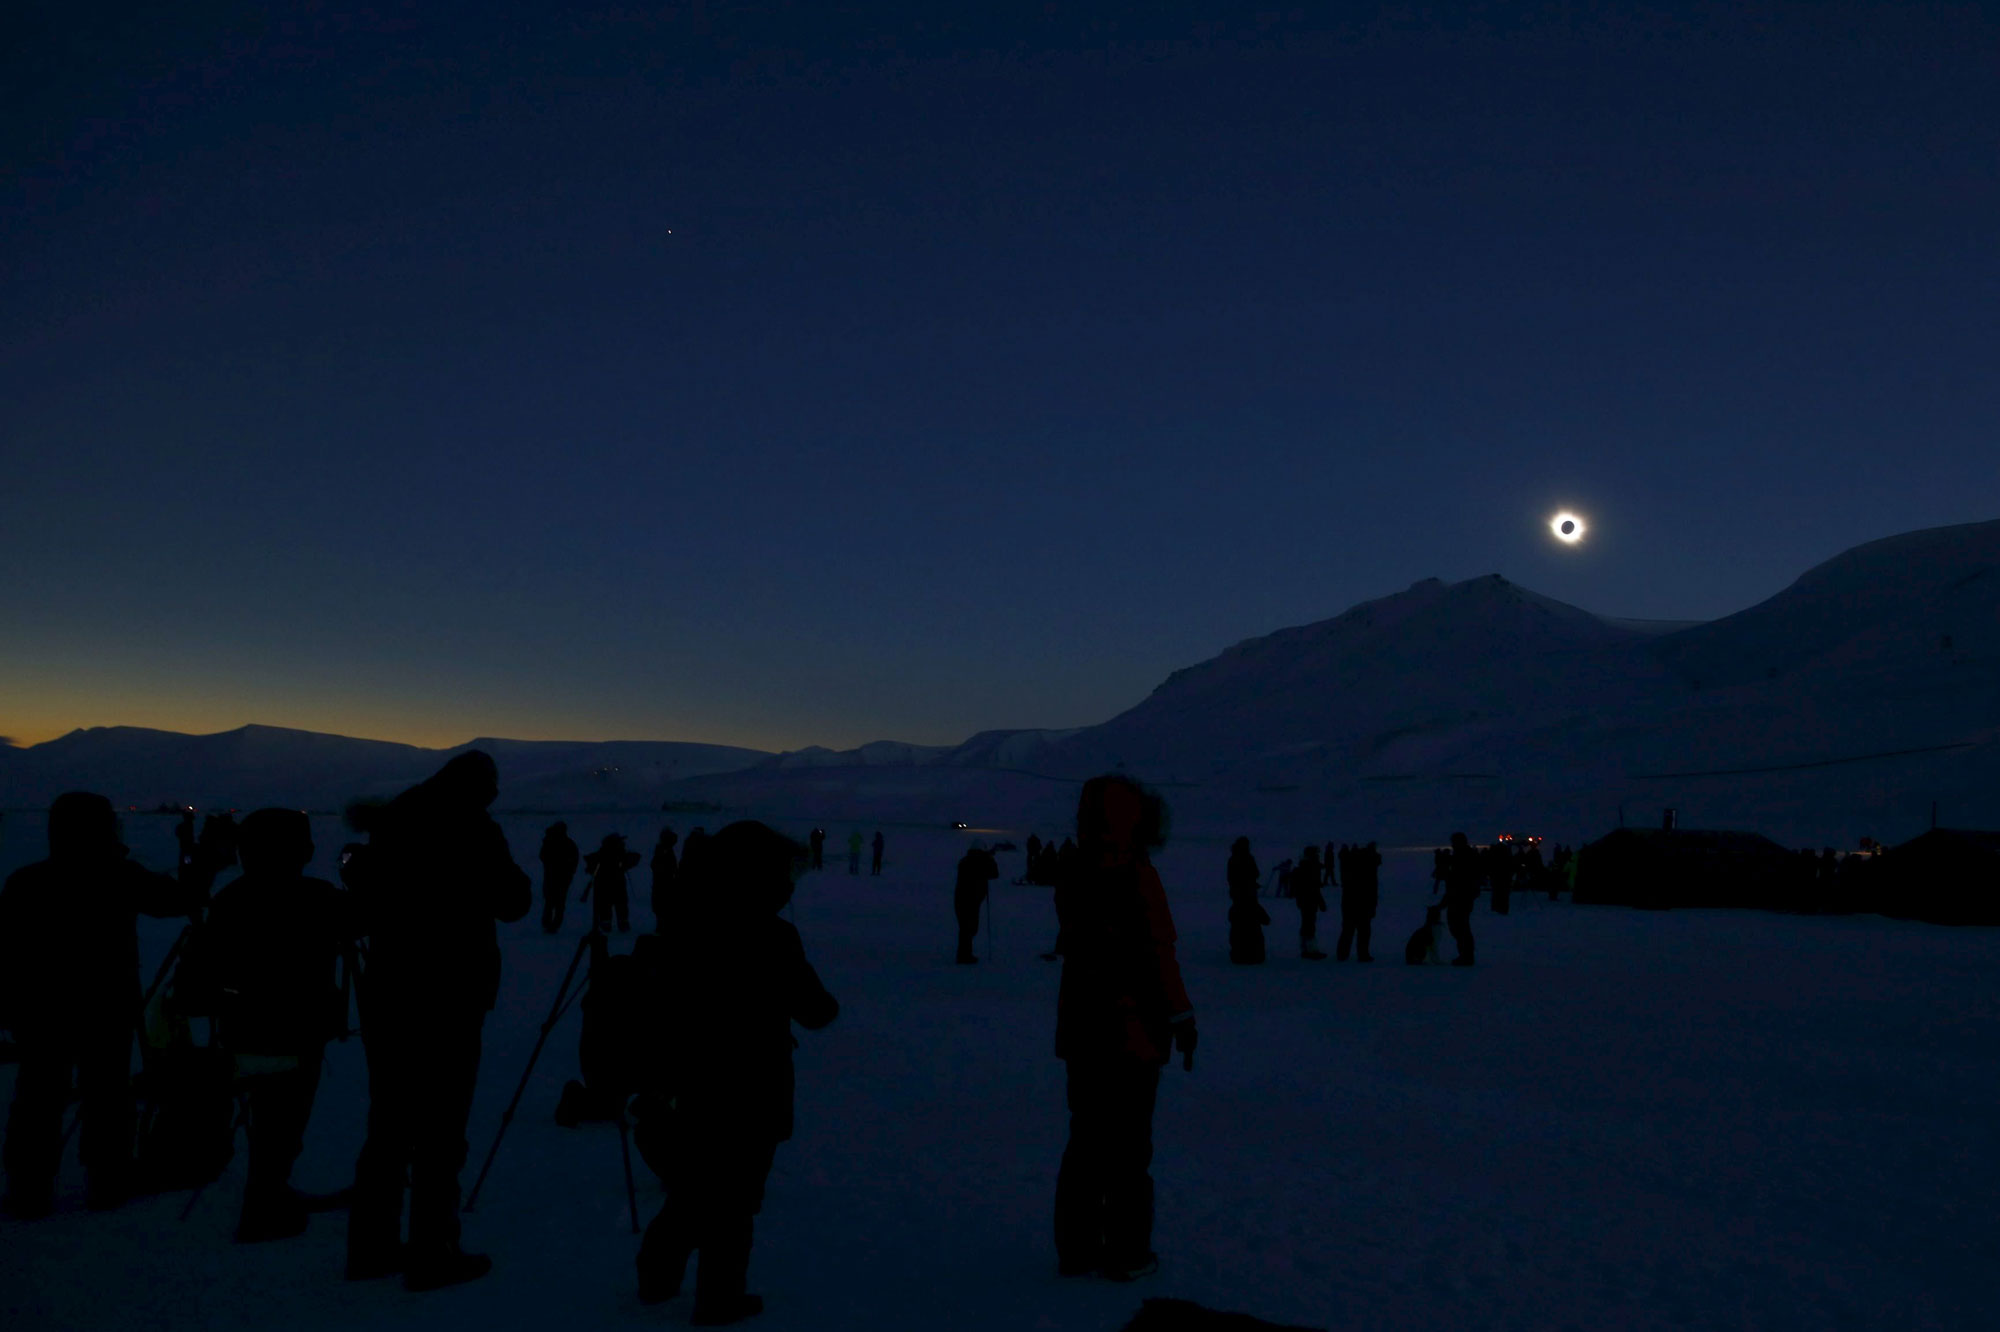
[{"x": 1618, "y": 1120}]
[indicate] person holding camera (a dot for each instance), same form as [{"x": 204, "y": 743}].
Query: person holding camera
[
  {"x": 1121, "y": 1008},
  {"x": 262, "y": 965},
  {"x": 732, "y": 981},
  {"x": 435, "y": 877}
]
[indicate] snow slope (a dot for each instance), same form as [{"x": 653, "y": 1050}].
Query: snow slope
[{"x": 1621, "y": 1119}]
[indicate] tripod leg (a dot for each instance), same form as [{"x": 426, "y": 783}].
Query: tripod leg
[
  {"x": 625, "y": 1149},
  {"x": 548, "y": 1025}
]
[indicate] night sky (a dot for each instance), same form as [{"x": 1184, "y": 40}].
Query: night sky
[{"x": 790, "y": 374}]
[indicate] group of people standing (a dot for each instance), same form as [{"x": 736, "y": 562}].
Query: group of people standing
[
  {"x": 414, "y": 934},
  {"x": 1353, "y": 870}
]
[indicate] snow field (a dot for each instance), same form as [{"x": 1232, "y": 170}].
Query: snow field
[{"x": 1618, "y": 1120}]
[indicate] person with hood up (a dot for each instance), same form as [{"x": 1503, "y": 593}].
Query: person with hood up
[
  {"x": 69, "y": 989},
  {"x": 733, "y": 978},
  {"x": 1247, "y": 917},
  {"x": 430, "y": 885},
  {"x": 607, "y": 867},
  {"x": 559, "y": 861},
  {"x": 1121, "y": 1008}
]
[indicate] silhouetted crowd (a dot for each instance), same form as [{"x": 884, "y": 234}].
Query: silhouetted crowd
[{"x": 687, "y": 1042}]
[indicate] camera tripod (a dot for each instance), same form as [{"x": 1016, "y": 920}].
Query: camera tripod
[{"x": 597, "y": 946}]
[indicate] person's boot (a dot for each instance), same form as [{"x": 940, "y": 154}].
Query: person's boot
[
  {"x": 719, "y": 1297},
  {"x": 25, "y": 1202},
  {"x": 108, "y": 1187},
  {"x": 374, "y": 1238},
  {"x": 434, "y": 1267},
  {"x": 270, "y": 1214},
  {"x": 1130, "y": 1269},
  {"x": 662, "y": 1260}
]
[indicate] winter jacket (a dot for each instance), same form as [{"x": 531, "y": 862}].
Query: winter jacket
[
  {"x": 262, "y": 963},
  {"x": 69, "y": 941},
  {"x": 733, "y": 981},
  {"x": 1121, "y": 989}
]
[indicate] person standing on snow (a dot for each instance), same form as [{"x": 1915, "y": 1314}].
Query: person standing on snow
[
  {"x": 1310, "y": 900},
  {"x": 69, "y": 989},
  {"x": 607, "y": 866},
  {"x": 1359, "y": 896},
  {"x": 875, "y": 865},
  {"x": 1462, "y": 879},
  {"x": 734, "y": 979},
  {"x": 976, "y": 869},
  {"x": 854, "y": 851},
  {"x": 430, "y": 885},
  {"x": 559, "y": 861},
  {"x": 1247, "y": 917},
  {"x": 663, "y": 866},
  {"x": 1120, "y": 1010}
]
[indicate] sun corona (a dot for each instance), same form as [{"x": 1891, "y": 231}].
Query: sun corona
[{"x": 1567, "y": 528}]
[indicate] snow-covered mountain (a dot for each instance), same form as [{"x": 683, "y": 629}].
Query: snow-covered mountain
[
  {"x": 1845, "y": 704},
  {"x": 270, "y": 765}
]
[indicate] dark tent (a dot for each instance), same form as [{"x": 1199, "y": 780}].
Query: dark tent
[
  {"x": 1687, "y": 867},
  {"x": 1950, "y": 876}
]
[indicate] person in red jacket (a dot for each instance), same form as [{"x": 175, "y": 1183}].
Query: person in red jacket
[{"x": 1120, "y": 1011}]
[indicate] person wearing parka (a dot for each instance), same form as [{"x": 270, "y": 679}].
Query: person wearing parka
[
  {"x": 1247, "y": 917},
  {"x": 733, "y": 978},
  {"x": 1121, "y": 1008}
]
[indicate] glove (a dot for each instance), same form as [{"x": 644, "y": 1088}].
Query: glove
[{"x": 1185, "y": 1038}]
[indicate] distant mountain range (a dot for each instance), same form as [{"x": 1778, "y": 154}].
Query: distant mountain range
[
  {"x": 271, "y": 765},
  {"x": 1868, "y": 688}
]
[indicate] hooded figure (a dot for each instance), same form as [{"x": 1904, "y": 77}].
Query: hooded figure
[
  {"x": 1120, "y": 1010},
  {"x": 559, "y": 861},
  {"x": 733, "y": 978},
  {"x": 1247, "y": 917},
  {"x": 607, "y": 866},
  {"x": 435, "y": 877},
  {"x": 262, "y": 965},
  {"x": 69, "y": 988}
]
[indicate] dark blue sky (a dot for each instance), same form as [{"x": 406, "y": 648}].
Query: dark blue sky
[{"x": 787, "y": 374}]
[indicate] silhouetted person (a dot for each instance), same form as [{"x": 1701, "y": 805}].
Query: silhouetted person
[
  {"x": 262, "y": 965},
  {"x": 1440, "y": 869},
  {"x": 976, "y": 869},
  {"x": 1119, "y": 1012},
  {"x": 1034, "y": 859},
  {"x": 875, "y": 864},
  {"x": 607, "y": 867},
  {"x": 1500, "y": 875},
  {"x": 69, "y": 989},
  {"x": 1463, "y": 873},
  {"x": 185, "y": 838},
  {"x": 1310, "y": 900},
  {"x": 560, "y": 858},
  {"x": 214, "y": 852},
  {"x": 1360, "y": 894},
  {"x": 435, "y": 877},
  {"x": 1422, "y": 949},
  {"x": 735, "y": 977},
  {"x": 664, "y": 867},
  {"x": 818, "y": 843},
  {"x": 1247, "y": 917},
  {"x": 854, "y": 851}
]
